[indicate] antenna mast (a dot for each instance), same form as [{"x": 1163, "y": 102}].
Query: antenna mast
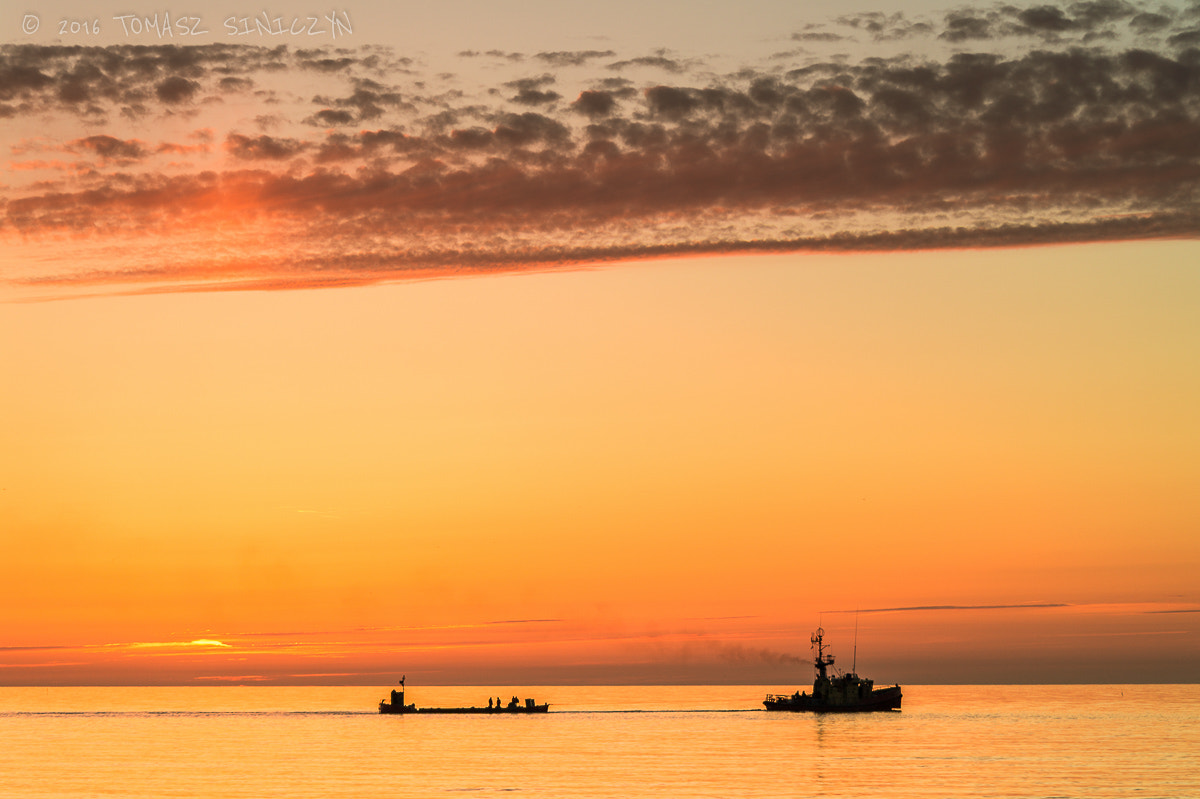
[{"x": 854, "y": 665}]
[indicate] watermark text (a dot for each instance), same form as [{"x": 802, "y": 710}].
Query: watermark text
[{"x": 161, "y": 25}]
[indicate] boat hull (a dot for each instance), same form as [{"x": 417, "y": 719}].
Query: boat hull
[
  {"x": 388, "y": 708},
  {"x": 878, "y": 700}
]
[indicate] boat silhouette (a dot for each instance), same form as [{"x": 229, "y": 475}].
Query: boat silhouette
[
  {"x": 394, "y": 704},
  {"x": 842, "y": 693}
]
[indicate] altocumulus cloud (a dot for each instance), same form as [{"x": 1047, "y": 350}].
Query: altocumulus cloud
[{"x": 1086, "y": 129}]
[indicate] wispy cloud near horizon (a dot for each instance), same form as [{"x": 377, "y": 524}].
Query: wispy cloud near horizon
[
  {"x": 1021, "y": 606},
  {"x": 1012, "y": 127}
]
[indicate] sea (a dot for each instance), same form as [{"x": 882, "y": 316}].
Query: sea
[{"x": 1092, "y": 741}]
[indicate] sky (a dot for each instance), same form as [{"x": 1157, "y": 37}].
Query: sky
[{"x": 519, "y": 343}]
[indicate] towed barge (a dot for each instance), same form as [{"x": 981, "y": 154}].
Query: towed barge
[{"x": 394, "y": 704}]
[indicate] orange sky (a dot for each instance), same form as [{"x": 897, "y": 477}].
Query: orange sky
[
  {"x": 666, "y": 472},
  {"x": 611, "y": 364}
]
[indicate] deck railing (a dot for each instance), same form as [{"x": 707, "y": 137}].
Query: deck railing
[{"x": 780, "y": 697}]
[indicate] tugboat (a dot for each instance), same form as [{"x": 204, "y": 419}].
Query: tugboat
[
  {"x": 396, "y": 705},
  {"x": 844, "y": 693}
]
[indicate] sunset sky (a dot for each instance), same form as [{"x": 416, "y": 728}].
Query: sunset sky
[{"x": 552, "y": 342}]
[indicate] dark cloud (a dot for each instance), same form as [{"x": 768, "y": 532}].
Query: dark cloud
[
  {"x": 263, "y": 147},
  {"x": 1091, "y": 20},
  {"x": 329, "y": 116},
  {"x": 657, "y": 61},
  {"x": 908, "y": 30},
  {"x": 373, "y": 144},
  {"x": 535, "y": 97},
  {"x": 176, "y": 90},
  {"x": 530, "y": 91},
  {"x": 1055, "y": 142},
  {"x": 334, "y": 269},
  {"x": 476, "y": 138},
  {"x": 320, "y": 61},
  {"x": 1189, "y": 38},
  {"x": 871, "y": 21},
  {"x": 174, "y": 148},
  {"x": 964, "y": 26},
  {"x": 595, "y": 103},
  {"x": 880, "y": 27},
  {"x": 615, "y": 84},
  {"x": 574, "y": 58},
  {"x": 130, "y": 78},
  {"x": 672, "y": 102},
  {"x": 532, "y": 82},
  {"x": 110, "y": 148},
  {"x": 529, "y": 128},
  {"x": 1092, "y": 13},
  {"x": 1061, "y": 131},
  {"x": 818, "y": 36},
  {"x": 369, "y": 100},
  {"x": 511, "y": 131},
  {"x": 1045, "y": 18},
  {"x": 20, "y": 79},
  {"x": 513, "y": 57},
  {"x": 1148, "y": 22},
  {"x": 232, "y": 84}
]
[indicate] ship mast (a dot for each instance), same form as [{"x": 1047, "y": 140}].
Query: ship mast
[{"x": 822, "y": 660}]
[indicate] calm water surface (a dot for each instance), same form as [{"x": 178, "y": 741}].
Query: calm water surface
[{"x": 694, "y": 741}]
